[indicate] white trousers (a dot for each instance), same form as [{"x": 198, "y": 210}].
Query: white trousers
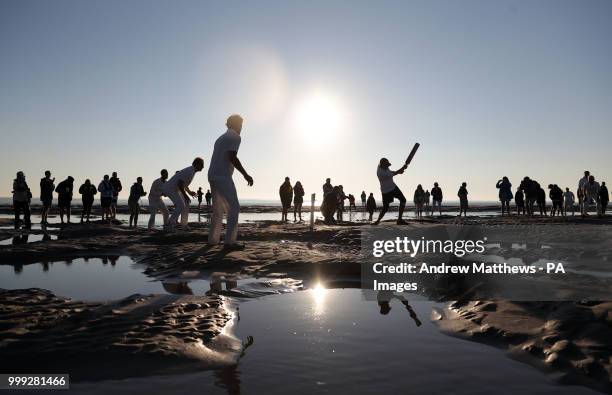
[
  {"x": 180, "y": 208},
  {"x": 154, "y": 205},
  {"x": 224, "y": 200}
]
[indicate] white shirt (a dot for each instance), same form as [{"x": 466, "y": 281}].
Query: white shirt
[
  {"x": 591, "y": 191},
  {"x": 385, "y": 176},
  {"x": 569, "y": 197},
  {"x": 583, "y": 181},
  {"x": 220, "y": 165},
  {"x": 172, "y": 184},
  {"x": 157, "y": 189}
]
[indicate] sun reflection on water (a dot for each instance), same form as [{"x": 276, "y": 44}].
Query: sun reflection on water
[{"x": 318, "y": 295}]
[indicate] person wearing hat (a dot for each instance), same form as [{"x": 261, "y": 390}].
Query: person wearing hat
[{"x": 389, "y": 190}]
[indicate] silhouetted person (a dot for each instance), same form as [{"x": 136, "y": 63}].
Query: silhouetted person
[
  {"x": 371, "y": 206},
  {"x": 21, "y": 200},
  {"x": 556, "y": 196},
  {"x": 327, "y": 187},
  {"x": 419, "y": 201},
  {"x": 200, "y": 195},
  {"x": 106, "y": 197},
  {"x": 351, "y": 199},
  {"x": 436, "y": 197},
  {"x": 389, "y": 190},
  {"x": 505, "y": 194},
  {"x": 155, "y": 199},
  {"x": 298, "y": 200},
  {"x": 541, "y": 201},
  {"x": 224, "y": 196},
  {"x": 64, "y": 197},
  {"x": 177, "y": 189},
  {"x": 531, "y": 188},
  {"x": 117, "y": 187},
  {"x": 136, "y": 192},
  {"x": 340, "y": 198},
  {"x": 519, "y": 199},
  {"x": 286, "y": 196},
  {"x": 363, "y": 198},
  {"x": 329, "y": 205},
  {"x": 47, "y": 187},
  {"x": 208, "y": 198},
  {"x": 87, "y": 191},
  {"x": 463, "y": 199},
  {"x": 591, "y": 195},
  {"x": 581, "y": 192},
  {"x": 604, "y": 197},
  {"x": 568, "y": 197}
]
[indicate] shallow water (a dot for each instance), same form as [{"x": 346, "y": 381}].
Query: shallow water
[
  {"x": 94, "y": 279},
  {"x": 333, "y": 341}
]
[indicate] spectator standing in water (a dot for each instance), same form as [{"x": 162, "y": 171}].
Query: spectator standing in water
[
  {"x": 581, "y": 193},
  {"x": 208, "y": 198},
  {"x": 419, "y": 201},
  {"x": 106, "y": 197},
  {"x": 286, "y": 196},
  {"x": 177, "y": 189},
  {"x": 556, "y": 196},
  {"x": 436, "y": 194},
  {"x": 371, "y": 206},
  {"x": 47, "y": 187},
  {"x": 427, "y": 199},
  {"x": 363, "y": 199},
  {"x": 604, "y": 197},
  {"x": 200, "y": 195},
  {"x": 463, "y": 199},
  {"x": 505, "y": 194},
  {"x": 389, "y": 190},
  {"x": 541, "y": 201},
  {"x": 117, "y": 187},
  {"x": 21, "y": 200},
  {"x": 64, "y": 197},
  {"x": 136, "y": 192},
  {"x": 327, "y": 187},
  {"x": 568, "y": 196},
  {"x": 519, "y": 199},
  {"x": 224, "y": 196},
  {"x": 155, "y": 199},
  {"x": 298, "y": 200},
  {"x": 87, "y": 191}
]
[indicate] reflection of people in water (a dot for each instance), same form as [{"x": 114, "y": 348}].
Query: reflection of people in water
[
  {"x": 384, "y": 302},
  {"x": 177, "y": 288},
  {"x": 216, "y": 283},
  {"x": 20, "y": 238}
]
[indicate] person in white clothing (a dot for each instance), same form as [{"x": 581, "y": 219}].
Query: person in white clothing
[
  {"x": 155, "y": 199},
  {"x": 224, "y": 197},
  {"x": 591, "y": 195},
  {"x": 389, "y": 190},
  {"x": 581, "y": 184},
  {"x": 177, "y": 189},
  {"x": 569, "y": 198}
]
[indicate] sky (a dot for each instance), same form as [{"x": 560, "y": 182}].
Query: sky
[{"x": 326, "y": 88}]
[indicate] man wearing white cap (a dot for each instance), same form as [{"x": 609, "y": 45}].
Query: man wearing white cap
[
  {"x": 177, "y": 189},
  {"x": 224, "y": 197}
]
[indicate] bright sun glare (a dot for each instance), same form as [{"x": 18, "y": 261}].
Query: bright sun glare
[{"x": 320, "y": 115}]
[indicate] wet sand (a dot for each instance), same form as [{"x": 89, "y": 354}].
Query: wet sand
[{"x": 572, "y": 338}]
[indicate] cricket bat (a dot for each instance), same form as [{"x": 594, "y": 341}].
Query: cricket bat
[{"x": 414, "y": 150}]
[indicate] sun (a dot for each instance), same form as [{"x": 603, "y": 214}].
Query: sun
[{"x": 319, "y": 116}]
